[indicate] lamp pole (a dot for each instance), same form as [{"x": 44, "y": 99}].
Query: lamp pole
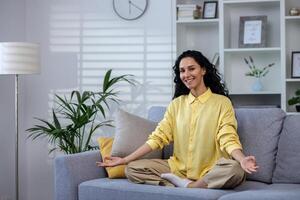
[
  {"x": 17, "y": 136},
  {"x": 18, "y": 58}
]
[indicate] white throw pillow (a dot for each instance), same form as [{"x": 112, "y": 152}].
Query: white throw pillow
[{"x": 131, "y": 132}]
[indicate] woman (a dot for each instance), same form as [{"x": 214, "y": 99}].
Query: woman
[{"x": 201, "y": 122}]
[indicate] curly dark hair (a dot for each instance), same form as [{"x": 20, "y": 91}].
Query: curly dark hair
[{"x": 212, "y": 78}]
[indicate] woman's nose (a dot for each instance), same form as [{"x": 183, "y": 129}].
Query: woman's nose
[{"x": 186, "y": 74}]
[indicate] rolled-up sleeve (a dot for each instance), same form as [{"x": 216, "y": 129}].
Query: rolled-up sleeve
[
  {"x": 227, "y": 136},
  {"x": 163, "y": 134}
]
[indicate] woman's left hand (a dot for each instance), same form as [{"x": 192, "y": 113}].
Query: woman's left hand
[{"x": 249, "y": 164}]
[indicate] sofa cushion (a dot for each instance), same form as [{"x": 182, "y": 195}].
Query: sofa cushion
[
  {"x": 259, "y": 131},
  {"x": 131, "y": 132},
  {"x": 251, "y": 185},
  {"x": 270, "y": 192},
  {"x": 288, "y": 159},
  {"x": 111, "y": 189},
  {"x": 105, "y": 144}
]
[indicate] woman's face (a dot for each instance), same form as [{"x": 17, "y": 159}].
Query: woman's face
[{"x": 191, "y": 73}]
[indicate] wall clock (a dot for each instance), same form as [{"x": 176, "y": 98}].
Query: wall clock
[{"x": 130, "y": 9}]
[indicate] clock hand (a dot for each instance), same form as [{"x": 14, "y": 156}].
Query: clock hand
[
  {"x": 129, "y": 6},
  {"x": 134, "y": 5}
]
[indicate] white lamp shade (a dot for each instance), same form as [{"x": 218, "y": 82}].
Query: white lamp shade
[{"x": 19, "y": 58}]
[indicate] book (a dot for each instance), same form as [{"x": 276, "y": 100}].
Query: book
[{"x": 186, "y": 6}]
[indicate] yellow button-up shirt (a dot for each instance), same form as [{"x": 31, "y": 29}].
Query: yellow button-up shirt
[{"x": 203, "y": 130}]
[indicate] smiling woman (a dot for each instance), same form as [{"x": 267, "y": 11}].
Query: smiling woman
[
  {"x": 199, "y": 117},
  {"x": 131, "y": 9},
  {"x": 211, "y": 76},
  {"x": 191, "y": 74}
]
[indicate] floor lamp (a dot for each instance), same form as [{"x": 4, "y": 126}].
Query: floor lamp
[{"x": 18, "y": 58}]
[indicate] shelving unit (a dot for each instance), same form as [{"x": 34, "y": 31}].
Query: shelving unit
[
  {"x": 232, "y": 57},
  {"x": 292, "y": 30},
  {"x": 221, "y": 35},
  {"x": 198, "y": 34}
]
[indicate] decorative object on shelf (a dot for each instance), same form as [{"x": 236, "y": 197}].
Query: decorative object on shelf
[
  {"x": 257, "y": 85},
  {"x": 295, "y": 64},
  {"x": 75, "y": 120},
  {"x": 252, "y": 31},
  {"x": 295, "y": 100},
  {"x": 197, "y": 14},
  {"x": 131, "y": 9},
  {"x": 186, "y": 11},
  {"x": 215, "y": 59},
  {"x": 210, "y": 9},
  {"x": 258, "y": 73},
  {"x": 18, "y": 58},
  {"x": 294, "y": 11}
]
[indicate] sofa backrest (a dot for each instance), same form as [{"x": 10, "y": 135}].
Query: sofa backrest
[
  {"x": 288, "y": 155},
  {"x": 259, "y": 131},
  {"x": 156, "y": 113}
]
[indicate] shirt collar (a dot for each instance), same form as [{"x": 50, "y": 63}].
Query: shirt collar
[{"x": 202, "y": 98}]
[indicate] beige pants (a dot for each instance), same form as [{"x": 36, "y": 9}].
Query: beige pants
[{"x": 225, "y": 174}]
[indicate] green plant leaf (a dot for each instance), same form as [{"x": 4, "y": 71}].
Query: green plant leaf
[
  {"x": 55, "y": 120},
  {"x": 106, "y": 81},
  {"x": 74, "y": 120},
  {"x": 293, "y": 101}
]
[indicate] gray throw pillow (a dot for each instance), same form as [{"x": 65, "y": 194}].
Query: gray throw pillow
[
  {"x": 259, "y": 131},
  {"x": 288, "y": 159},
  {"x": 131, "y": 132}
]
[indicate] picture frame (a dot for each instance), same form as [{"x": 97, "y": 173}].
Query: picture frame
[
  {"x": 252, "y": 31},
  {"x": 210, "y": 9},
  {"x": 295, "y": 64}
]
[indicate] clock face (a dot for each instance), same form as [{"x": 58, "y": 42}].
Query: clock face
[{"x": 130, "y": 9}]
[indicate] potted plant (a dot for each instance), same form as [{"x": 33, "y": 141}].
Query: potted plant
[
  {"x": 295, "y": 100},
  {"x": 75, "y": 119},
  {"x": 256, "y": 72}
]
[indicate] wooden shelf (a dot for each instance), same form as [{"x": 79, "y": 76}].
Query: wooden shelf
[
  {"x": 197, "y": 21},
  {"x": 292, "y": 17},
  {"x": 293, "y": 113},
  {"x": 292, "y": 80},
  {"x": 254, "y": 93},
  {"x": 248, "y": 1},
  {"x": 252, "y": 49}
]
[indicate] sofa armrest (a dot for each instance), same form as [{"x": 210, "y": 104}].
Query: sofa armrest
[{"x": 71, "y": 170}]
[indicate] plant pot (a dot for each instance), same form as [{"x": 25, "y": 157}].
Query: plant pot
[
  {"x": 257, "y": 86},
  {"x": 297, "y": 108}
]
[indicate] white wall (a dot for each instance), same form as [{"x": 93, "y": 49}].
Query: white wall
[
  {"x": 51, "y": 23},
  {"x": 12, "y": 20}
]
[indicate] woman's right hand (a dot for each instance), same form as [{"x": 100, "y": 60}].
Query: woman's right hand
[
  {"x": 111, "y": 162},
  {"x": 114, "y": 161}
]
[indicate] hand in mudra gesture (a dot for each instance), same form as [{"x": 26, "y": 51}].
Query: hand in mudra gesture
[
  {"x": 249, "y": 164},
  {"x": 111, "y": 162}
]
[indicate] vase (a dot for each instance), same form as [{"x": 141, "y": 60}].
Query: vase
[{"x": 257, "y": 85}]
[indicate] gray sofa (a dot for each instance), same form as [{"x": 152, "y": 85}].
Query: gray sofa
[{"x": 269, "y": 134}]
